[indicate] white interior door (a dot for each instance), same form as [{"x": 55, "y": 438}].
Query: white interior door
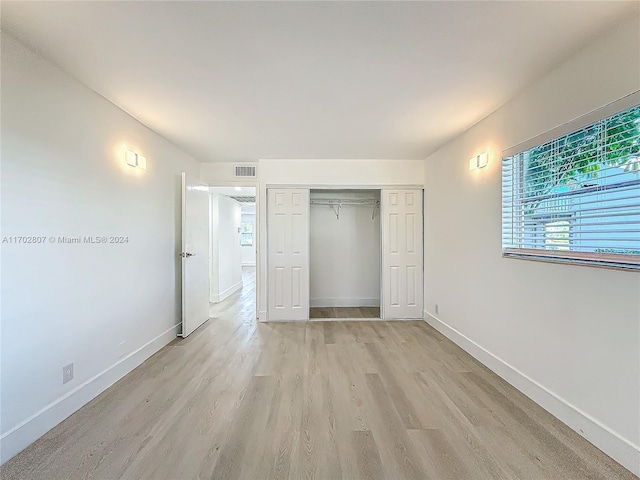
[
  {"x": 288, "y": 253},
  {"x": 195, "y": 254},
  {"x": 402, "y": 289}
]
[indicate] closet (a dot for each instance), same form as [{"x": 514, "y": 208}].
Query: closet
[{"x": 344, "y": 253}]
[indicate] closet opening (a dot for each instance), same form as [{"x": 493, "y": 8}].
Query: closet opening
[{"x": 344, "y": 254}]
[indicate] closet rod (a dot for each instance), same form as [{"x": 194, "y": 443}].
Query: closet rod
[
  {"x": 332, "y": 202},
  {"x": 319, "y": 201}
]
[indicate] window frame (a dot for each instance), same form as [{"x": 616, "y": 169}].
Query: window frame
[
  {"x": 243, "y": 233},
  {"x": 595, "y": 259}
]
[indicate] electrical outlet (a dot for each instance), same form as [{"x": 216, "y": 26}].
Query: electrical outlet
[
  {"x": 437, "y": 309},
  {"x": 67, "y": 373}
]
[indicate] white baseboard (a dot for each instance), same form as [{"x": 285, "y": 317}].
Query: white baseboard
[
  {"x": 28, "y": 431},
  {"x": 347, "y": 320},
  {"x": 262, "y": 316},
  {"x": 226, "y": 293},
  {"x": 617, "y": 447},
  {"x": 344, "y": 302}
]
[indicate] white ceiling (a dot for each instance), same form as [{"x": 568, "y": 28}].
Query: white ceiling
[{"x": 241, "y": 81}]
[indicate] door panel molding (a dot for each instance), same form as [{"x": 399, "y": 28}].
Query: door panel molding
[
  {"x": 402, "y": 258},
  {"x": 288, "y": 254}
]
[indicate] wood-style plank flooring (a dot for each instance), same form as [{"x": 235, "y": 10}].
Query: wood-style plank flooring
[
  {"x": 344, "y": 312},
  {"x": 324, "y": 400}
]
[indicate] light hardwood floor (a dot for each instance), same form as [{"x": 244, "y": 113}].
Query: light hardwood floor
[{"x": 325, "y": 400}]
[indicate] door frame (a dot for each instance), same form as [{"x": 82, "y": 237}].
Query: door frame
[
  {"x": 320, "y": 186},
  {"x": 248, "y": 184}
]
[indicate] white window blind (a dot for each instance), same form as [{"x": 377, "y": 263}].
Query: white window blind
[{"x": 575, "y": 197}]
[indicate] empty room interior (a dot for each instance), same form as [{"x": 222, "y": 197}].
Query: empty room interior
[{"x": 328, "y": 240}]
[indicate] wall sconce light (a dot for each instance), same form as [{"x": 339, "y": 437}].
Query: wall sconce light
[
  {"x": 479, "y": 161},
  {"x": 135, "y": 159}
]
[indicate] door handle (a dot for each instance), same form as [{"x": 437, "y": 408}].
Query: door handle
[{"x": 187, "y": 254}]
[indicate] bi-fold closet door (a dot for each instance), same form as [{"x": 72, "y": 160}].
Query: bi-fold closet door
[
  {"x": 288, "y": 254},
  {"x": 402, "y": 245}
]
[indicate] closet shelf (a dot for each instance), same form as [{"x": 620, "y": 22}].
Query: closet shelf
[
  {"x": 333, "y": 201},
  {"x": 337, "y": 203}
]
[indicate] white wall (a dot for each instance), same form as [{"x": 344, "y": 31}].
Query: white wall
[
  {"x": 249, "y": 251},
  {"x": 104, "y": 307},
  {"x": 344, "y": 254},
  {"x": 226, "y": 253},
  {"x": 567, "y": 336},
  {"x": 223, "y": 173},
  {"x": 316, "y": 173}
]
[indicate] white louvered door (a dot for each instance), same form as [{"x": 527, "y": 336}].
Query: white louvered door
[
  {"x": 402, "y": 245},
  {"x": 288, "y": 253}
]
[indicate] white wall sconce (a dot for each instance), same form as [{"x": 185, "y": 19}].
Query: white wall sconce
[
  {"x": 479, "y": 161},
  {"x": 135, "y": 159}
]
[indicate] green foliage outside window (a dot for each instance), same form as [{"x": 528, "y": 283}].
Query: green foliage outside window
[{"x": 574, "y": 159}]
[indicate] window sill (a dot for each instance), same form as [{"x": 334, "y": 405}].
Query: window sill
[{"x": 608, "y": 264}]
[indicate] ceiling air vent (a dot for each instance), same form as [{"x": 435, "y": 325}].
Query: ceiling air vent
[
  {"x": 245, "y": 171},
  {"x": 244, "y": 198}
]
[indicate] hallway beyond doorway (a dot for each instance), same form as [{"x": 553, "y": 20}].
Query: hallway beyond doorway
[{"x": 241, "y": 304}]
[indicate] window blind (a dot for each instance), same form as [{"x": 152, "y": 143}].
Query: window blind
[{"x": 576, "y": 197}]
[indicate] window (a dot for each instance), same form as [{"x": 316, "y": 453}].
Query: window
[
  {"x": 246, "y": 234},
  {"x": 575, "y": 197},
  {"x": 556, "y": 235}
]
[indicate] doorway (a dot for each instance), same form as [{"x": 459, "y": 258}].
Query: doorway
[{"x": 233, "y": 254}]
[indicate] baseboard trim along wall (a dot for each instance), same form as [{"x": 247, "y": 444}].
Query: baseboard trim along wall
[
  {"x": 226, "y": 293},
  {"x": 358, "y": 320},
  {"x": 344, "y": 302},
  {"x": 617, "y": 447},
  {"x": 28, "y": 431}
]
